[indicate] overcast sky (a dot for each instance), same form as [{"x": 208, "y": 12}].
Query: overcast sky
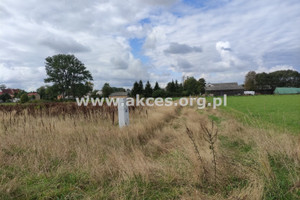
[{"x": 158, "y": 40}]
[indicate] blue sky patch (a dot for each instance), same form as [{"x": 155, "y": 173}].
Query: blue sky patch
[{"x": 137, "y": 49}]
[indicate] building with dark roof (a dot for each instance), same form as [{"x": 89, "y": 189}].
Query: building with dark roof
[
  {"x": 118, "y": 95},
  {"x": 219, "y": 89}
]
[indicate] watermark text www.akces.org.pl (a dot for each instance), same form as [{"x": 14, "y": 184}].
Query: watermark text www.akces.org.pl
[{"x": 201, "y": 102}]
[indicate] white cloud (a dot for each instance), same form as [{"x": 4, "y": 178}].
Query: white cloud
[
  {"x": 228, "y": 59},
  {"x": 97, "y": 32},
  {"x": 275, "y": 68},
  {"x": 235, "y": 38},
  {"x": 220, "y": 41},
  {"x": 13, "y": 76}
]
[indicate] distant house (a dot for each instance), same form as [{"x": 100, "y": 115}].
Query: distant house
[
  {"x": 219, "y": 89},
  {"x": 35, "y": 94},
  {"x": 118, "y": 95},
  {"x": 16, "y": 100},
  {"x": 286, "y": 90},
  {"x": 99, "y": 93},
  {"x": 59, "y": 97}
]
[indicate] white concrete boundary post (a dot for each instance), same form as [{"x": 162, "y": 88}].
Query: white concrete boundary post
[{"x": 123, "y": 113}]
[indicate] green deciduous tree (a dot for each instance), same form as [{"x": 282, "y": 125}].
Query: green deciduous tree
[
  {"x": 250, "y": 82},
  {"x": 106, "y": 90},
  {"x": 5, "y": 97},
  {"x": 51, "y": 92},
  {"x": 191, "y": 86},
  {"x": 269, "y": 81},
  {"x": 24, "y": 98},
  {"x": 159, "y": 93},
  {"x": 201, "y": 85},
  {"x": 67, "y": 73},
  {"x": 42, "y": 92},
  {"x": 82, "y": 89},
  {"x": 284, "y": 78},
  {"x": 263, "y": 81},
  {"x": 20, "y": 93}
]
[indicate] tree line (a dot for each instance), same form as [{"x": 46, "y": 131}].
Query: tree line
[
  {"x": 190, "y": 86},
  {"x": 269, "y": 81}
]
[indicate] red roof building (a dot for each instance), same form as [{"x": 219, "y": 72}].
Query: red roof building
[
  {"x": 35, "y": 94},
  {"x": 32, "y": 93},
  {"x": 11, "y": 92}
]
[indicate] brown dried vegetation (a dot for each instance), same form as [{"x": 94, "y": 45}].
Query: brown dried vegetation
[{"x": 62, "y": 151}]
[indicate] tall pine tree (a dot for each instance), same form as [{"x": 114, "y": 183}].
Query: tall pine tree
[
  {"x": 148, "y": 90},
  {"x": 135, "y": 89},
  {"x": 141, "y": 88},
  {"x": 156, "y": 87}
]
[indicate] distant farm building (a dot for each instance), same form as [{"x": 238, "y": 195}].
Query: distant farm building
[
  {"x": 99, "y": 93},
  {"x": 219, "y": 89},
  {"x": 286, "y": 90},
  {"x": 118, "y": 95},
  {"x": 249, "y": 92},
  {"x": 34, "y": 95}
]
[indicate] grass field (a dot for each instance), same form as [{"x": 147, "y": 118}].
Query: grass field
[
  {"x": 58, "y": 154},
  {"x": 271, "y": 111}
]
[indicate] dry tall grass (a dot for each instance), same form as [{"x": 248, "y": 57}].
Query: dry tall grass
[{"x": 153, "y": 158}]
